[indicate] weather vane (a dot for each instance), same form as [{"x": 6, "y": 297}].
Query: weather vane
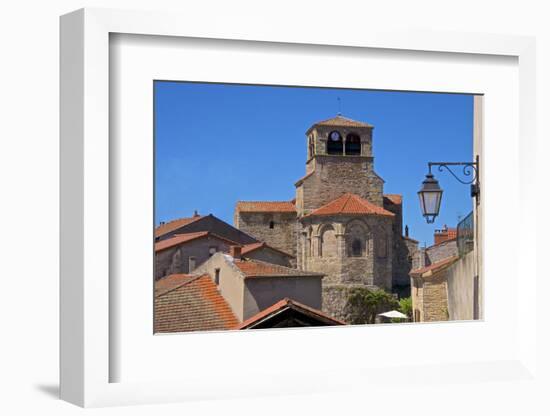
[{"x": 339, "y": 106}]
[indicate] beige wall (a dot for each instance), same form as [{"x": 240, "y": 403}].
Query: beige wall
[
  {"x": 460, "y": 288},
  {"x": 231, "y": 282}
]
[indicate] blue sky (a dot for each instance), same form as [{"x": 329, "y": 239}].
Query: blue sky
[{"x": 219, "y": 143}]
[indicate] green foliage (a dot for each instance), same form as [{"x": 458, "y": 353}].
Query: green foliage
[
  {"x": 406, "y": 306},
  {"x": 363, "y": 305}
]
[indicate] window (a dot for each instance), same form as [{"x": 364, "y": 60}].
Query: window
[
  {"x": 356, "y": 248},
  {"x": 335, "y": 143},
  {"x": 217, "y": 276},
  {"x": 271, "y": 224},
  {"x": 192, "y": 261},
  {"x": 353, "y": 144}
]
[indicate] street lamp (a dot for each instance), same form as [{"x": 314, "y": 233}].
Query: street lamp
[
  {"x": 430, "y": 193},
  {"x": 430, "y": 198}
]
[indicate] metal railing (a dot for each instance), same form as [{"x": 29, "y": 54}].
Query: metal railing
[{"x": 465, "y": 235}]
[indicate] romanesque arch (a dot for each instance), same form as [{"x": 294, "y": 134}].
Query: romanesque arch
[
  {"x": 327, "y": 241},
  {"x": 353, "y": 144},
  {"x": 357, "y": 238}
]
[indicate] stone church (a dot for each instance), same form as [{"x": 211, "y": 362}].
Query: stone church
[{"x": 340, "y": 223}]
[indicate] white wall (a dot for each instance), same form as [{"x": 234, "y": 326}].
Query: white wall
[{"x": 29, "y": 184}]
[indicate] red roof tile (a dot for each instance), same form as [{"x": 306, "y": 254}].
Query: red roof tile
[
  {"x": 266, "y": 206},
  {"x": 285, "y": 304},
  {"x": 394, "y": 198},
  {"x": 248, "y": 248},
  {"x": 174, "y": 225},
  {"x": 350, "y": 204},
  {"x": 172, "y": 282},
  {"x": 257, "y": 268},
  {"x": 434, "y": 267},
  {"x": 193, "y": 305},
  {"x": 184, "y": 238}
]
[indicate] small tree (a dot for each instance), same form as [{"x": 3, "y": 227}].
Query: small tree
[
  {"x": 363, "y": 305},
  {"x": 405, "y": 306}
]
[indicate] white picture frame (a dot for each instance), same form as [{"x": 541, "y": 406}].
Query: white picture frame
[{"x": 86, "y": 291}]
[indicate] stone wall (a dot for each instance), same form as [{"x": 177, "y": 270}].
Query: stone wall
[
  {"x": 429, "y": 255},
  {"x": 335, "y": 175},
  {"x": 328, "y": 252},
  {"x": 176, "y": 259},
  {"x": 429, "y": 296},
  {"x": 257, "y": 224},
  {"x": 441, "y": 251}
]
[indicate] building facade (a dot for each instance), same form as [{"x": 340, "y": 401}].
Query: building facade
[{"x": 340, "y": 223}]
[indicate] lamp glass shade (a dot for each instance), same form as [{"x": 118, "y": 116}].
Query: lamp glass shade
[{"x": 430, "y": 198}]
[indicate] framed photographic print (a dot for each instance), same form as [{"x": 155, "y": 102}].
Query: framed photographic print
[{"x": 290, "y": 207}]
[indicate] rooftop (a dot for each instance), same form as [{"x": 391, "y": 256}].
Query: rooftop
[
  {"x": 283, "y": 305},
  {"x": 340, "y": 121},
  {"x": 167, "y": 227},
  {"x": 184, "y": 303},
  {"x": 257, "y": 268},
  {"x": 394, "y": 198},
  {"x": 350, "y": 204},
  {"x": 265, "y": 206},
  {"x": 434, "y": 268},
  {"x": 184, "y": 238},
  {"x": 248, "y": 248}
]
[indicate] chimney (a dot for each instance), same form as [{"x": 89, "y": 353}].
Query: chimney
[
  {"x": 196, "y": 214},
  {"x": 235, "y": 252},
  {"x": 441, "y": 235}
]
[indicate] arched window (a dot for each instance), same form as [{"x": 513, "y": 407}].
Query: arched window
[
  {"x": 353, "y": 144},
  {"x": 271, "y": 224},
  {"x": 311, "y": 147},
  {"x": 356, "y": 248},
  {"x": 357, "y": 237},
  {"x": 327, "y": 242},
  {"x": 335, "y": 143}
]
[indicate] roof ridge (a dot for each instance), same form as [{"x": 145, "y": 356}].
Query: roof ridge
[{"x": 182, "y": 284}]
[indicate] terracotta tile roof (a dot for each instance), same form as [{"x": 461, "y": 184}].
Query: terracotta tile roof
[
  {"x": 394, "y": 198},
  {"x": 265, "y": 206},
  {"x": 350, "y": 204},
  {"x": 248, "y": 248},
  {"x": 340, "y": 121},
  {"x": 257, "y": 268},
  {"x": 184, "y": 238},
  {"x": 434, "y": 268},
  {"x": 174, "y": 225},
  {"x": 193, "y": 304},
  {"x": 285, "y": 304},
  {"x": 172, "y": 282}
]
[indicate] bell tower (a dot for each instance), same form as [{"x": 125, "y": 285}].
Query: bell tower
[{"x": 339, "y": 161}]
